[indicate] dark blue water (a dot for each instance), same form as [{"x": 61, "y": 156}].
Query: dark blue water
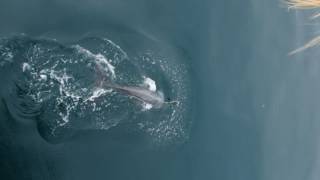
[{"x": 247, "y": 110}]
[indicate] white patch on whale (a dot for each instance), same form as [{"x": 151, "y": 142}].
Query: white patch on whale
[{"x": 150, "y": 83}]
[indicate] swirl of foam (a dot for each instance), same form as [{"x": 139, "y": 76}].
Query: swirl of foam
[{"x": 59, "y": 85}]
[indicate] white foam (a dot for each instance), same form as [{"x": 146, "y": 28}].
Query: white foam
[
  {"x": 25, "y": 66},
  {"x": 43, "y": 77},
  {"x": 97, "y": 93},
  {"x": 100, "y": 59},
  {"x": 147, "y": 106},
  {"x": 150, "y": 83}
]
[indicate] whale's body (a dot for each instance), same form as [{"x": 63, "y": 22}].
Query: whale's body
[{"x": 144, "y": 95}]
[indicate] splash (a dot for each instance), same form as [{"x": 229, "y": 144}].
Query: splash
[
  {"x": 64, "y": 82},
  {"x": 150, "y": 83}
]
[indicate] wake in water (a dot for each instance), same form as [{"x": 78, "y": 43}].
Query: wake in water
[{"x": 60, "y": 86}]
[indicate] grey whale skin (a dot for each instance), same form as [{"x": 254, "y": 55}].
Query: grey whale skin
[{"x": 144, "y": 95}]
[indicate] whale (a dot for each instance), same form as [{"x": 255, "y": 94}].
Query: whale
[
  {"x": 147, "y": 96},
  {"x": 142, "y": 94}
]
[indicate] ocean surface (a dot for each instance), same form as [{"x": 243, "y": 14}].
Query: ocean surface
[{"x": 243, "y": 108}]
